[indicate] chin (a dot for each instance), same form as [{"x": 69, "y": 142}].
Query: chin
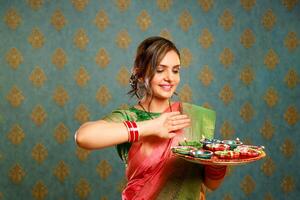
[{"x": 165, "y": 96}]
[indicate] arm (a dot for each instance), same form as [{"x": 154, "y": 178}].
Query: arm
[
  {"x": 214, "y": 176},
  {"x": 101, "y": 134},
  {"x": 88, "y": 137}
]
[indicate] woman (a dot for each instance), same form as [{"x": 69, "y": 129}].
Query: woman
[{"x": 145, "y": 132}]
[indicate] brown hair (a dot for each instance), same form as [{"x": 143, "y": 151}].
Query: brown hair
[{"x": 149, "y": 54}]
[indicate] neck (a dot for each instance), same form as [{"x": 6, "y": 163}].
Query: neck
[{"x": 155, "y": 105}]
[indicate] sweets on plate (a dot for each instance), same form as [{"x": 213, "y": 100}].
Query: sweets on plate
[
  {"x": 196, "y": 144},
  {"x": 227, "y": 154},
  {"x": 232, "y": 143},
  {"x": 223, "y": 149},
  {"x": 185, "y": 150},
  {"x": 217, "y": 147},
  {"x": 201, "y": 153},
  {"x": 247, "y": 151}
]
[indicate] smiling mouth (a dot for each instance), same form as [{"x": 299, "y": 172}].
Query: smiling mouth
[{"x": 166, "y": 87}]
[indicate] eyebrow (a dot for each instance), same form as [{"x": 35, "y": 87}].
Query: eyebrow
[{"x": 165, "y": 66}]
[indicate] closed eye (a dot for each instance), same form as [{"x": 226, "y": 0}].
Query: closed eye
[
  {"x": 161, "y": 68},
  {"x": 176, "y": 69}
]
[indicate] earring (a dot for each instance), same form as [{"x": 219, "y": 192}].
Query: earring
[{"x": 133, "y": 80}]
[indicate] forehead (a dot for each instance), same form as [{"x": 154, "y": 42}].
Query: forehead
[{"x": 170, "y": 59}]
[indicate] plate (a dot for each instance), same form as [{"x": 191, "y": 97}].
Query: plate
[{"x": 214, "y": 160}]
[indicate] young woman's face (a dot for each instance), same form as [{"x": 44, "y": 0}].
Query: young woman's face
[{"x": 166, "y": 77}]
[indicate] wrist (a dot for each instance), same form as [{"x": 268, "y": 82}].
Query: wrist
[
  {"x": 137, "y": 130},
  {"x": 146, "y": 128},
  {"x": 215, "y": 172},
  {"x": 132, "y": 130}
]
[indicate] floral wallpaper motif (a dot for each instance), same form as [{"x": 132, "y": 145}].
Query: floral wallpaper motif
[{"x": 67, "y": 62}]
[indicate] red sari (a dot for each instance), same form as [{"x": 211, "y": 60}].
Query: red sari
[{"x": 151, "y": 168}]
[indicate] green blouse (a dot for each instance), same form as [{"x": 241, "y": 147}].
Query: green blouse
[{"x": 203, "y": 123}]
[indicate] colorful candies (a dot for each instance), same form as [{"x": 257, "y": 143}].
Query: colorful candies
[
  {"x": 200, "y": 153},
  {"x": 185, "y": 150},
  {"x": 227, "y": 154},
  {"x": 214, "y": 148},
  {"x": 217, "y": 147},
  {"x": 232, "y": 143},
  {"x": 247, "y": 151}
]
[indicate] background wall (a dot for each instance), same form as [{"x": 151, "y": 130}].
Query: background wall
[{"x": 64, "y": 62}]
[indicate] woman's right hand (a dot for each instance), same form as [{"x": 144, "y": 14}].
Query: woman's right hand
[{"x": 166, "y": 125}]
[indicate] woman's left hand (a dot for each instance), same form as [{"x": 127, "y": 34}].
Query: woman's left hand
[{"x": 166, "y": 125}]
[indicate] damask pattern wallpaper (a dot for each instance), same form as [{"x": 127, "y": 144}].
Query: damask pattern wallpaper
[{"x": 66, "y": 62}]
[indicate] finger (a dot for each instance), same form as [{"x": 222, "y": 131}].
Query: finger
[
  {"x": 178, "y": 121},
  {"x": 181, "y": 121},
  {"x": 177, "y": 117},
  {"x": 173, "y": 122},
  {"x": 179, "y": 126}
]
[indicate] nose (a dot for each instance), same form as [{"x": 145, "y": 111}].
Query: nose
[{"x": 168, "y": 75}]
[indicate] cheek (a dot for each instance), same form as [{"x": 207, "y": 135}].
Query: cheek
[
  {"x": 178, "y": 80},
  {"x": 156, "y": 79}
]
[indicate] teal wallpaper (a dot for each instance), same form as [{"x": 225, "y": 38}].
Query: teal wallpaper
[{"x": 64, "y": 62}]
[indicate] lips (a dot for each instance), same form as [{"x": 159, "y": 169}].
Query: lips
[{"x": 166, "y": 87}]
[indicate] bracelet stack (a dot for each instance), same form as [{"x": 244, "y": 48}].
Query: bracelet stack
[
  {"x": 133, "y": 132},
  {"x": 215, "y": 172}
]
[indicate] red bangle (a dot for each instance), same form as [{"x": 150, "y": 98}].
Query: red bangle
[
  {"x": 215, "y": 173},
  {"x": 129, "y": 127},
  {"x": 133, "y": 133}
]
